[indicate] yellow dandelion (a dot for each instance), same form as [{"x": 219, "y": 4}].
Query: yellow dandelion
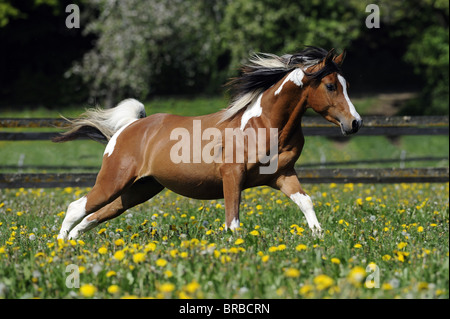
[
  {"x": 119, "y": 255},
  {"x": 102, "y": 250},
  {"x": 301, "y": 247},
  {"x": 88, "y": 290},
  {"x": 356, "y": 276},
  {"x": 113, "y": 289},
  {"x": 192, "y": 287},
  {"x": 161, "y": 262},
  {"x": 119, "y": 242},
  {"x": 239, "y": 241},
  {"x": 292, "y": 273},
  {"x": 323, "y": 282},
  {"x": 335, "y": 261},
  {"x": 166, "y": 287},
  {"x": 138, "y": 257}
]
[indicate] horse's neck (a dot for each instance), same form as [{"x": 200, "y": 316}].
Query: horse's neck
[{"x": 286, "y": 115}]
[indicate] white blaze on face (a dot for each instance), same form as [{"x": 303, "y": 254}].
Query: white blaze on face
[
  {"x": 350, "y": 104},
  {"x": 295, "y": 76}
]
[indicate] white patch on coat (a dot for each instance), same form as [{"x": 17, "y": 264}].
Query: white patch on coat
[
  {"x": 254, "y": 110},
  {"x": 305, "y": 204},
  {"x": 112, "y": 142},
  {"x": 295, "y": 76},
  {"x": 350, "y": 104}
]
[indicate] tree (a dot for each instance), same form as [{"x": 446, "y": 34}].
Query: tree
[{"x": 143, "y": 43}]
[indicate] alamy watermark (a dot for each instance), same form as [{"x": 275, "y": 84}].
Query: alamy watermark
[
  {"x": 373, "y": 279},
  {"x": 232, "y": 145},
  {"x": 73, "y": 279},
  {"x": 73, "y": 19},
  {"x": 373, "y": 19}
]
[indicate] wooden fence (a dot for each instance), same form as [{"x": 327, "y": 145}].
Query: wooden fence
[{"x": 312, "y": 126}]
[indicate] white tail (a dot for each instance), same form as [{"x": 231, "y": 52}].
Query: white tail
[{"x": 100, "y": 125}]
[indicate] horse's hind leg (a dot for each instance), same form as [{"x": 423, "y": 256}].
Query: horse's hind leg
[
  {"x": 141, "y": 191},
  {"x": 110, "y": 183}
]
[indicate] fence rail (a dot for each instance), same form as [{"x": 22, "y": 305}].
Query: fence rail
[
  {"x": 312, "y": 126},
  {"x": 306, "y": 176}
]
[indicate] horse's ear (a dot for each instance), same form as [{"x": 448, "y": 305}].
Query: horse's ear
[
  {"x": 329, "y": 56},
  {"x": 340, "y": 58}
]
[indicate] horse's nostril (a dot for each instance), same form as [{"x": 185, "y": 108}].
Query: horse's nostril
[{"x": 355, "y": 125}]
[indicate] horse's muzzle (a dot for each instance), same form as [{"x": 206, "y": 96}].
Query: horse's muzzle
[{"x": 356, "y": 125}]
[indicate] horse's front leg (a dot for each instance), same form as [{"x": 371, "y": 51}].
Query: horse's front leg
[
  {"x": 288, "y": 183},
  {"x": 232, "y": 177}
]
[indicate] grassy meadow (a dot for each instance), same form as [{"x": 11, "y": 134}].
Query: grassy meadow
[
  {"x": 175, "y": 247},
  {"x": 379, "y": 241}
]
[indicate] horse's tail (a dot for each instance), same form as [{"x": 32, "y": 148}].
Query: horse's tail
[{"x": 99, "y": 124}]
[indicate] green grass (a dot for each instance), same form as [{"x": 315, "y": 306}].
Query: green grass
[{"x": 174, "y": 247}]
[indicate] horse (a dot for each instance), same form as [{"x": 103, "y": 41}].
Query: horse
[{"x": 142, "y": 154}]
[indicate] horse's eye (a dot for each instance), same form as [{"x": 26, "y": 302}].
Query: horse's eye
[{"x": 330, "y": 87}]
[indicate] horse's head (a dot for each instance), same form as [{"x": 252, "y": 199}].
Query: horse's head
[{"x": 328, "y": 93}]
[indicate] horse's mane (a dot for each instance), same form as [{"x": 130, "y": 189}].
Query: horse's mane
[{"x": 264, "y": 70}]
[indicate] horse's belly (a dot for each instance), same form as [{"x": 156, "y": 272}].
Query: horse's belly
[{"x": 192, "y": 183}]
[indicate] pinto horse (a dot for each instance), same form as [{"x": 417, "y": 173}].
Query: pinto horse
[{"x": 142, "y": 155}]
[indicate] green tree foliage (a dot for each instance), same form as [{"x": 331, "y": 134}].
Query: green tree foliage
[
  {"x": 193, "y": 46},
  {"x": 143, "y": 43},
  {"x": 286, "y": 26}
]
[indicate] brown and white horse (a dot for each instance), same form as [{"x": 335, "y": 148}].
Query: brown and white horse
[{"x": 142, "y": 156}]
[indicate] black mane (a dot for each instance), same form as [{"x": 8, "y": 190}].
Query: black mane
[{"x": 259, "y": 77}]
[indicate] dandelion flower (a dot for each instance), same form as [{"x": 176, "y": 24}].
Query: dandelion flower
[
  {"x": 119, "y": 255},
  {"x": 335, "y": 261},
  {"x": 356, "y": 275},
  {"x": 192, "y": 286},
  {"x": 138, "y": 257},
  {"x": 113, "y": 289},
  {"x": 102, "y": 250},
  {"x": 292, "y": 273},
  {"x": 254, "y": 233},
  {"x": 239, "y": 241},
  {"x": 301, "y": 247},
  {"x": 88, "y": 290},
  {"x": 166, "y": 287},
  {"x": 323, "y": 282},
  {"x": 119, "y": 242},
  {"x": 161, "y": 262}
]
